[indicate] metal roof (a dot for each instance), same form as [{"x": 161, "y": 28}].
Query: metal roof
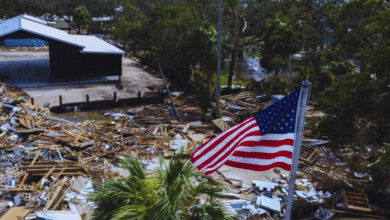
[{"x": 89, "y": 44}]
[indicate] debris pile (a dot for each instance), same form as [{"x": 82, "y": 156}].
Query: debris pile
[{"x": 50, "y": 164}]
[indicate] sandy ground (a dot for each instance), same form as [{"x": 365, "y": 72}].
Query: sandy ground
[{"x": 134, "y": 78}]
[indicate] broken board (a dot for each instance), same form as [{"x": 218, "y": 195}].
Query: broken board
[
  {"x": 221, "y": 124},
  {"x": 15, "y": 213},
  {"x": 356, "y": 201}
]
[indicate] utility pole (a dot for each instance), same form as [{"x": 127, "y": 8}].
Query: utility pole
[{"x": 219, "y": 57}]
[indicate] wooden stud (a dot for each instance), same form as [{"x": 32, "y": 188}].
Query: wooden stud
[
  {"x": 87, "y": 98},
  {"x": 45, "y": 176},
  {"x": 35, "y": 158},
  {"x": 60, "y": 101},
  {"x": 32, "y": 101},
  {"x": 58, "y": 190},
  {"x": 23, "y": 180},
  {"x": 114, "y": 96}
]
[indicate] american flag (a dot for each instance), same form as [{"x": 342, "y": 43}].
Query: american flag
[{"x": 259, "y": 143}]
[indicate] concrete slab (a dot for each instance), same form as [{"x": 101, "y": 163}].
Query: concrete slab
[
  {"x": 269, "y": 204},
  {"x": 31, "y": 71}
]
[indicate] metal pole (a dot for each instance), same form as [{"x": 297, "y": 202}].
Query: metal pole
[
  {"x": 219, "y": 57},
  {"x": 299, "y": 127},
  {"x": 174, "y": 111}
]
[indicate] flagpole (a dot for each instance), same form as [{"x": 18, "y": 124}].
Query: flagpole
[{"x": 299, "y": 127}]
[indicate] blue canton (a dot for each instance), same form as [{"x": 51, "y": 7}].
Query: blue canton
[{"x": 280, "y": 117}]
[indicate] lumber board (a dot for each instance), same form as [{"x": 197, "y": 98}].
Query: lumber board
[{"x": 356, "y": 201}]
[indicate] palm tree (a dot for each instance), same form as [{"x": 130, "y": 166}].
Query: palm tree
[
  {"x": 82, "y": 17},
  {"x": 280, "y": 42},
  {"x": 168, "y": 194},
  {"x": 206, "y": 41}
]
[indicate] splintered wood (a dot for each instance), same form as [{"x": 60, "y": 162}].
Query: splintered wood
[
  {"x": 221, "y": 124},
  {"x": 356, "y": 201},
  {"x": 309, "y": 155}
]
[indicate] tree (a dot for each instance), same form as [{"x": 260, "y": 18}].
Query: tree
[
  {"x": 206, "y": 41},
  {"x": 81, "y": 17},
  {"x": 237, "y": 25},
  {"x": 357, "y": 106},
  {"x": 48, "y": 8},
  {"x": 281, "y": 40},
  {"x": 170, "y": 194}
]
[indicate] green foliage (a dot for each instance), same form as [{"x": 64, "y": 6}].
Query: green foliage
[
  {"x": 82, "y": 17},
  {"x": 274, "y": 85},
  {"x": 302, "y": 209},
  {"x": 381, "y": 171},
  {"x": 169, "y": 194},
  {"x": 354, "y": 163}
]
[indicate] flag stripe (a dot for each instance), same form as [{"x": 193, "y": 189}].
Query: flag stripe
[
  {"x": 228, "y": 148},
  {"x": 265, "y": 149},
  {"x": 268, "y": 143},
  {"x": 261, "y": 142},
  {"x": 266, "y": 156},
  {"x": 220, "y": 142},
  {"x": 207, "y": 157},
  {"x": 225, "y": 134},
  {"x": 255, "y": 162},
  {"x": 255, "y": 167},
  {"x": 225, "y": 156}
]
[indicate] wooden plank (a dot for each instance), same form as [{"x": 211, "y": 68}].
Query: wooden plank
[
  {"x": 63, "y": 174},
  {"x": 356, "y": 201},
  {"x": 35, "y": 158},
  {"x": 15, "y": 213},
  {"x": 16, "y": 190},
  {"x": 64, "y": 193},
  {"x": 23, "y": 180},
  {"x": 55, "y": 194},
  {"x": 221, "y": 124},
  {"x": 45, "y": 176}
]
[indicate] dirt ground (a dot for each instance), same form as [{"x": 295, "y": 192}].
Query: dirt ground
[{"x": 135, "y": 78}]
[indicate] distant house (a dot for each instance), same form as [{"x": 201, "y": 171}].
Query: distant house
[
  {"x": 61, "y": 23},
  {"x": 71, "y": 56}
]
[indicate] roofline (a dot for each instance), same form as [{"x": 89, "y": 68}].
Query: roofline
[
  {"x": 9, "y": 33},
  {"x": 56, "y": 39},
  {"x": 113, "y": 53}
]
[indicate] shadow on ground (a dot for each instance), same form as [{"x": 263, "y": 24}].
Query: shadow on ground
[{"x": 36, "y": 72}]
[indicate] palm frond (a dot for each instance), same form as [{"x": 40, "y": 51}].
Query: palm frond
[
  {"x": 132, "y": 212},
  {"x": 134, "y": 166}
]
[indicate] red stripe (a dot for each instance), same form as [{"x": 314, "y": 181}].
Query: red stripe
[
  {"x": 221, "y": 137},
  {"x": 219, "y": 140},
  {"x": 261, "y": 155},
  {"x": 242, "y": 136},
  {"x": 234, "y": 128},
  {"x": 268, "y": 143},
  {"x": 253, "y": 166}
]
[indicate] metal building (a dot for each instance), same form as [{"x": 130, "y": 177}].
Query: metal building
[{"x": 72, "y": 57}]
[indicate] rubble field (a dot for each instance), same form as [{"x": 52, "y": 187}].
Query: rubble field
[{"x": 51, "y": 162}]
